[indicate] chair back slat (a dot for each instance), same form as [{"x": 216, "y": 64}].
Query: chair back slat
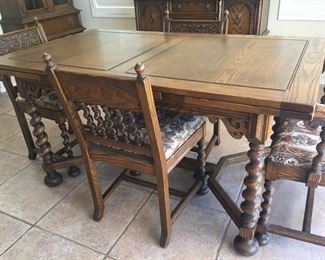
[
  {"x": 22, "y": 39},
  {"x": 113, "y": 92},
  {"x": 109, "y": 110}
]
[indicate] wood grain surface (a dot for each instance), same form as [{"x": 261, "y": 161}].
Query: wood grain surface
[{"x": 261, "y": 74}]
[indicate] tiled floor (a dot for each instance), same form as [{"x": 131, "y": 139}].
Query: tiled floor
[{"x": 37, "y": 222}]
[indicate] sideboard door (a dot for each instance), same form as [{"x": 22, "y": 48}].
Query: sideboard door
[
  {"x": 149, "y": 15},
  {"x": 248, "y": 16}
]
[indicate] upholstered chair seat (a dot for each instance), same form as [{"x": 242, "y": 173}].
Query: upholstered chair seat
[{"x": 296, "y": 144}]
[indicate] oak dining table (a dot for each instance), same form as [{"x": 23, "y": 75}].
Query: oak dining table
[{"x": 242, "y": 80}]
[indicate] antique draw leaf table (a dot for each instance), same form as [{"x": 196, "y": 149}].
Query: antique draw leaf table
[{"x": 242, "y": 80}]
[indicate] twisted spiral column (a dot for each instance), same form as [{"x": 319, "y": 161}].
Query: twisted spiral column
[
  {"x": 315, "y": 173},
  {"x": 52, "y": 178},
  {"x": 245, "y": 243},
  {"x": 73, "y": 170},
  {"x": 200, "y": 173},
  {"x": 262, "y": 236}
]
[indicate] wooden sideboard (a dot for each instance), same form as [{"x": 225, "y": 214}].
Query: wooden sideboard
[
  {"x": 246, "y": 16},
  {"x": 58, "y": 17}
]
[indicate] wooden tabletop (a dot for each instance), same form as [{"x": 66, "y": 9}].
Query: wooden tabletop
[{"x": 261, "y": 74}]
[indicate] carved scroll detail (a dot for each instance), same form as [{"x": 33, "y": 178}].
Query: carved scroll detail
[{"x": 237, "y": 128}]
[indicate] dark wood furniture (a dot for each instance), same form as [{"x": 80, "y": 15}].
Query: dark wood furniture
[
  {"x": 245, "y": 16},
  {"x": 217, "y": 24},
  {"x": 48, "y": 106},
  {"x": 297, "y": 154},
  {"x": 58, "y": 17},
  {"x": 114, "y": 134},
  {"x": 242, "y": 80}
]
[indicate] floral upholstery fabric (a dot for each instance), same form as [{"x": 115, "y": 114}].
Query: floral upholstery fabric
[
  {"x": 295, "y": 144},
  {"x": 176, "y": 128}
]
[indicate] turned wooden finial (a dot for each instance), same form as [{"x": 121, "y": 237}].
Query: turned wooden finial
[
  {"x": 139, "y": 69},
  {"x": 36, "y": 21},
  {"x": 47, "y": 58}
]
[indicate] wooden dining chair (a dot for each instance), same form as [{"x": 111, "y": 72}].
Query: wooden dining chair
[
  {"x": 218, "y": 25},
  {"x": 48, "y": 105},
  {"x": 297, "y": 154},
  {"x": 119, "y": 125}
]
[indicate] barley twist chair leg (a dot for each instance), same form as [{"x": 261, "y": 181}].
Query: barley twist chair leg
[
  {"x": 52, "y": 178},
  {"x": 262, "y": 236},
  {"x": 73, "y": 170},
  {"x": 201, "y": 173}
]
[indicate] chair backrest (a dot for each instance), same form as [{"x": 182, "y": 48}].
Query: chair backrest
[
  {"x": 197, "y": 24},
  {"x": 22, "y": 39},
  {"x": 114, "y": 111}
]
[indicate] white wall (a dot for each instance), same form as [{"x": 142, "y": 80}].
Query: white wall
[
  {"x": 90, "y": 22},
  {"x": 293, "y": 28},
  {"x": 288, "y": 28}
]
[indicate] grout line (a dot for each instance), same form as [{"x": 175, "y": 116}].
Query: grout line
[
  {"x": 230, "y": 220},
  {"x": 70, "y": 240},
  {"x": 12, "y": 151},
  {"x": 19, "y": 238},
  {"x": 30, "y": 163},
  {"x": 55, "y": 204},
  {"x": 35, "y": 224},
  {"x": 12, "y": 216},
  {"x": 129, "y": 224}
]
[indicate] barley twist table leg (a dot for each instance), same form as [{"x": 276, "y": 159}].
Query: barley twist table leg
[
  {"x": 52, "y": 178},
  {"x": 245, "y": 243}
]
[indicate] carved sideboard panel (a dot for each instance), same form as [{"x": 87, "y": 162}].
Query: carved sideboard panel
[{"x": 246, "y": 16}]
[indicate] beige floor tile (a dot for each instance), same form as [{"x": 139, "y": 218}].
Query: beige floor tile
[
  {"x": 16, "y": 142},
  {"x": 196, "y": 235},
  {"x": 5, "y": 103},
  {"x": 228, "y": 146},
  {"x": 9, "y": 127},
  {"x": 11, "y": 112},
  {"x": 279, "y": 248},
  {"x": 11, "y": 164},
  {"x": 288, "y": 210},
  {"x": 39, "y": 244},
  {"x": 25, "y": 195},
  {"x": 72, "y": 217},
  {"x": 10, "y": 230},
  {"x": 231, "y": 178}
]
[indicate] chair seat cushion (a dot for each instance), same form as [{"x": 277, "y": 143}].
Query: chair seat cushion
[
  {"x": 176, "y": 129},
  {"x": 295, "y": 144}
]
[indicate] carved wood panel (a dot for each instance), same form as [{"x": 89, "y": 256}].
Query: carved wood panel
[
  {"x": 191, "y": 27},
  {"x": 246, "y": 16},
  {"x": 240, "y": 19}
]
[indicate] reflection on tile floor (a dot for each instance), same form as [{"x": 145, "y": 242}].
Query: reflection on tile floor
[{"x": 37, "y": 222}]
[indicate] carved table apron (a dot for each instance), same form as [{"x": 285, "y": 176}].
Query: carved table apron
[{"x": 242, "y": 80}]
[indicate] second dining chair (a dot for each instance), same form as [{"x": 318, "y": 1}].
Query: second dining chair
[{"x": 118, "y": 124}]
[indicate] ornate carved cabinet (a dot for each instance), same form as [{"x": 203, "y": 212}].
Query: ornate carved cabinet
[
  {"x": 246, "y": 16},
  {"x": 58, "y": 17}
]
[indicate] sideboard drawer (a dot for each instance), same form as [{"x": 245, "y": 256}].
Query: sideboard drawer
[{"x": 203, "y": 6}]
